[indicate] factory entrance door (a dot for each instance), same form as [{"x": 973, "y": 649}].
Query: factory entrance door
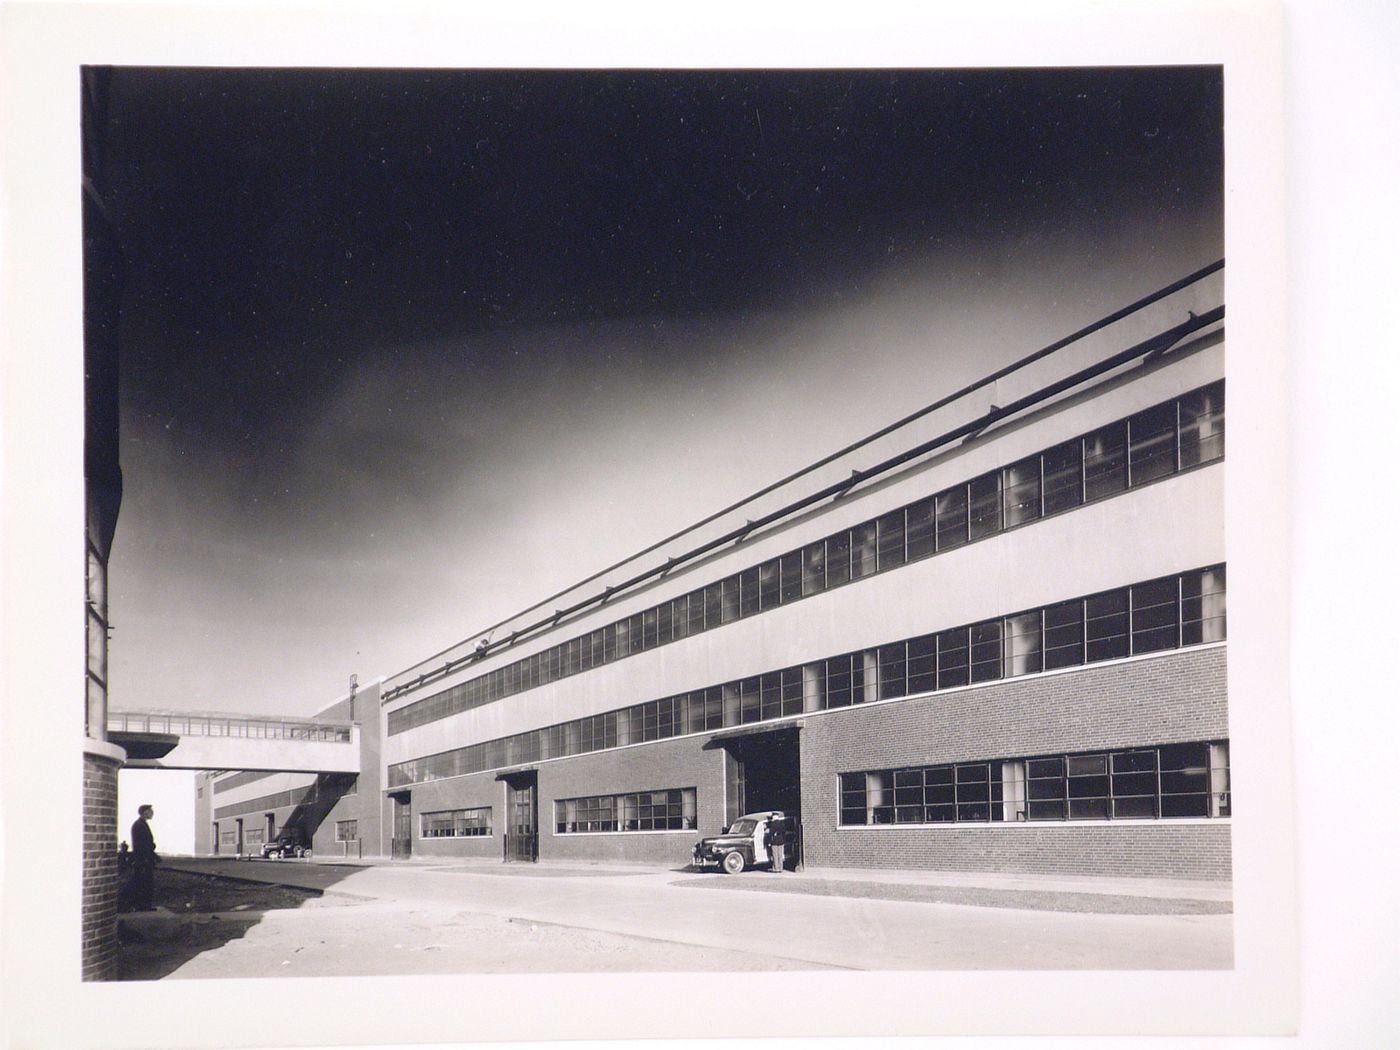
[
  {"x": 401, "y": 842},
  {"x": 522, "y": 817},
  {"x": 763, "y": 770}
]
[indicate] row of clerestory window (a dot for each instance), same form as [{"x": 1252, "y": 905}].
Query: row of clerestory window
[
  {"x": 1176, "y": 435},
  {"x": 456, "y": 823},
  {"x": 1170, "y": 612},
  {"x": 1141, "y": 783},
  {"x": 669, "y": 810}
]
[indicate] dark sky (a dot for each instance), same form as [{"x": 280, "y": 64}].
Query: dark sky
[
  {"x": 356, "y": 288},
  {"x": 280, "y": 222}
]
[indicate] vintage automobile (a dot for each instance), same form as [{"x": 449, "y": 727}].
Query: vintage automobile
[
  {"x": 292, "y": 842},
  {"x": 740, "y": 846}
]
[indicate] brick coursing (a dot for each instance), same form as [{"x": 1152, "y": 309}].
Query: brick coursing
[
  {"x": 314, "y": 808},
  {"x": 1165, "y": 850},
  {"x": 318, "y": 807},
  {"x": 480, "y": 790},
  {"x": 1163, "y": 699},
  {"x": 100, "y": 882},
  {"x": 648, "y": 767},
  {"x": 1167, "y": 699}
]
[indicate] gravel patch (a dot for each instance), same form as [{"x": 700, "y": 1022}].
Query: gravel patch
[{"x": 185, "y": 892}]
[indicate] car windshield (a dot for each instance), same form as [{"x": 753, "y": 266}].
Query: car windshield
[{"x": 743, "y": 827}]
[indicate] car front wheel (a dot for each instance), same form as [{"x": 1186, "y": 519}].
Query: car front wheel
[{"x": 733, "y": 862}]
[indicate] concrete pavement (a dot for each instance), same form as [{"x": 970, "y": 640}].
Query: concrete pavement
[
  {"x": 862, "y": 920},
  {"x": 318, "y": 873}
]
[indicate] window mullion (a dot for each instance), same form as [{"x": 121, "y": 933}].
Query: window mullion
[
  {"x": 1132, "y": 608},
  {"x": 1179, "y": 609},
  {"x": 1176, "y": 433},
  {"x": 1064, "y": 781}
]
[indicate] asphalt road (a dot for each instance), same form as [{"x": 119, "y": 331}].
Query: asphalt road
[{"x": 397, "y": 919}]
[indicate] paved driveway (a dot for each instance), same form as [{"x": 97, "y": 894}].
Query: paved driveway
[{"x": 453, "y": 917}]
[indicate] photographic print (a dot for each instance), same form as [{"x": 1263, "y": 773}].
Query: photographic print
[
  {"x": 605, "y": 542},
  {"x": 728, "y": 494}
]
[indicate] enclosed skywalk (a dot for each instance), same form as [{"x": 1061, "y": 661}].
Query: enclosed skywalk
[{"x": 183, "y": 740}]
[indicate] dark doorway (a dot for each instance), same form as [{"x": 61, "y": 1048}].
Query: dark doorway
[
  {"x": 763, "y": 771},
  {"x": 238, "y": 823},
  {"x": 522, "y": 817},
  {"x": 401, "y": 845}
]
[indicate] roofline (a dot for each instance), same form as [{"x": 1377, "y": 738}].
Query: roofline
[{"x": 1155, "y": 344}]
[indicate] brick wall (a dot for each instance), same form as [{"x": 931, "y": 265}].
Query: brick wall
[
  {"x": 366, "y": 804},
  {"x": 473, "y": 792},
  {"x": 648, "y": 767},
  {"x": 1165, "y": 849},
  {"x": 314, "y": 808},
  {"x": 1153, "y": 700},
  {"x": 368, "y": 808},
  {"x": 99, "y": 910},
  {"x": 346, "y": 807},
  {"x": 1157, "y": 700}
]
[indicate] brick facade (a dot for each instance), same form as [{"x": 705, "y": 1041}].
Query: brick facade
[
  {"x": 480, "y": 791},
  {"x": 656, "y": 766},
  {"x": 100, "y": 881},
  {"x": 646, "y": 767},
  {"x": 1148, "y": 849},
  {"x": 1160, "y": 699},
  {"x": 853, "y": 591},
  {"x": 1153, "y": 700},
  {"x": 315, "y": 806}
]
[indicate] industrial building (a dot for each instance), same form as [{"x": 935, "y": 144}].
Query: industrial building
[
  {"x": 237, "y": 811},
  {"x": 992, "y": 638}
]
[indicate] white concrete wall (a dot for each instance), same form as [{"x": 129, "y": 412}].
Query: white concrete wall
[
  {"x": 271, "y": 784},
  {"x": 231, "y": 752}
]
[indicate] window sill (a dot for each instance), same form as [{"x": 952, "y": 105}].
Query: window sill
[
  {"x": 453, "y": 838},
  {"x": 622, "y": 834}
]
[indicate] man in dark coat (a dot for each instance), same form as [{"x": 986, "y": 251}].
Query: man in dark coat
[
  {"x": 143, "y": 861},
  {"x": 777, "y": 842}
]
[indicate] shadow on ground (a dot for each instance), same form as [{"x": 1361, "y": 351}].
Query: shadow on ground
[{"x": 195, "y": 913}]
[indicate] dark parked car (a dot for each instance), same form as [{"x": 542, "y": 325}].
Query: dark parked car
[
  {"x": 292, "y": 842},
  {"x": 740, "y": 846}
]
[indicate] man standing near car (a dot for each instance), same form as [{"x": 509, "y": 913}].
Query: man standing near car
[
  {"x": 143, "y": 861},
  {"x": 776, "y": 836}
]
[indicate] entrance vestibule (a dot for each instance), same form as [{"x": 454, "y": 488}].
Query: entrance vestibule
[{"x": 763, "y": 771}]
